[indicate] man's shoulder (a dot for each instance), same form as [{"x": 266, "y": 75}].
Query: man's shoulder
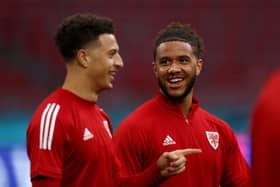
[
  {"x": 270, "y": 90},
  {"x": 147, "y": 107},
  {"x": 140, "y": 115},
  {"x": 216, "y": 124},
  {"x": 53, "y": 104},
  {"x": 213, "y": 119}
]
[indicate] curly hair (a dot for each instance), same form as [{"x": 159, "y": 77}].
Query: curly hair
[
  {"x": 179, "y": 32},
  {"x": 78, "y": 30}
]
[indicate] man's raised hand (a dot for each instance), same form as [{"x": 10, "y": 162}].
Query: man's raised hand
[{"x": 173, "y": 163}]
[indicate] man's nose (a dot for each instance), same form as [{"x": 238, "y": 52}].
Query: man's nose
[
  {"x": 174, "y": 67},
  {"x": 119, "y": 62}
]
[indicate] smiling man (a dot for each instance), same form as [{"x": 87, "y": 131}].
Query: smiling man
[
  {"x": 68, "y": 129},
  {"x": 69, "y": 136},
  {"x": 173, "y": 119}
]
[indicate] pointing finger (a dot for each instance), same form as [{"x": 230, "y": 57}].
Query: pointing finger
[{"x": 187, "y": 151}]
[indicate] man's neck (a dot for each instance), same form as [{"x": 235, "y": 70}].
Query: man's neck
[
  {"x": 186, "y": 104},
  {"x": 80, "y": 87}
]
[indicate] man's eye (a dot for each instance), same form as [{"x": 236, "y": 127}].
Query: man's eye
[
  {"x": 164, "y": 62},
  {"x": 184, "y": 60},
  {"x": 112, "y": 53}
]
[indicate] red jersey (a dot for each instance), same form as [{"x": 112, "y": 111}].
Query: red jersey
[
  {"x": 159, "y": 126},
  {"x": 69, "y": 139},
  {"x": 266, "y": 134}
]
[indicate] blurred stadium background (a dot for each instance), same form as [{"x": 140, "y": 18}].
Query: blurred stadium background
[{"x": 241, "y": 38}]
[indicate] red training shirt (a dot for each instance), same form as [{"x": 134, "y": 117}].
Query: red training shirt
[
  {"x": 69, "y": 139},
  {"x": 159, "y": 126}
]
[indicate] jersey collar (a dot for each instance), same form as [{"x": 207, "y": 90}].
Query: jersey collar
[{"x": 176, "y": 107}]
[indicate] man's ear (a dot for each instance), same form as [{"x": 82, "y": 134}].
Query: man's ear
[
  {"x": 82, "y": 58},
  {"x": 199, "y": 65},
  {"x": 154, "y": 67}
]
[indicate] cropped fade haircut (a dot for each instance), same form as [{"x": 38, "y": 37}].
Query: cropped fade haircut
[
  {"x": 78, "y": 30},
  {"x": 179, "y": 32}
]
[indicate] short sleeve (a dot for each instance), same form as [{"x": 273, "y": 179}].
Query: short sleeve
[{"x": 45, "y": 142}]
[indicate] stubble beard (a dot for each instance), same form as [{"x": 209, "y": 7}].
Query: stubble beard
[{"x": 180, "y": 98}]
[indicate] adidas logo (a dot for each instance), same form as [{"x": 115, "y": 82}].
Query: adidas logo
[
  {"x": 168, "y": 141},
  {"x": 87, "y": 135}
]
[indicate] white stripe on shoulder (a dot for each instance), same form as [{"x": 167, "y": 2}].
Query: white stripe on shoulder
[
  {"x": 52, "y": 126},
  {"x": 42, "y": 123},
  {"x": 47, "y": 125}
]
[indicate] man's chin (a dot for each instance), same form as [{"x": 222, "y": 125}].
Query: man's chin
[
  {"x": 175, "y": 96},
  {"x": 108, "y": 87},
  {"x": 175, "y": 93}
]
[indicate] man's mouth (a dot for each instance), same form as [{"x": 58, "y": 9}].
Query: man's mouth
[{"x": 175, "y": 80}]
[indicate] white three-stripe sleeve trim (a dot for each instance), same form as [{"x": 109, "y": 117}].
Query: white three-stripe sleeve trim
[
  {"x": 42, "y": 125},
  {"x": 47, "y": 125},
  {"x": 52, "y": 126}
]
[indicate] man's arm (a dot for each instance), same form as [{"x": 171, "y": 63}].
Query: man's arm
[
  {"x": 46, "y": 162},
  {"x": 168, "y": 164},
  {"x": 236, "y": 171}
]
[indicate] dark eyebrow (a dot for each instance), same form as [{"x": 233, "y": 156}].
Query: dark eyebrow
[
  {"x": 165, "y": 57},
  {"x": 113, "y": 51},
  {"x": 184, "y": 56}
]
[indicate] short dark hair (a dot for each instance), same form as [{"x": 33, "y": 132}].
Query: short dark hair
[
  {"x": 176, "y": 31},
  {"x": 78, "y": 30}
]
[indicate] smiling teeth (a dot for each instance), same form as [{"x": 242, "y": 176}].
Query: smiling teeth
[{"x": 175, "y": 80}]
